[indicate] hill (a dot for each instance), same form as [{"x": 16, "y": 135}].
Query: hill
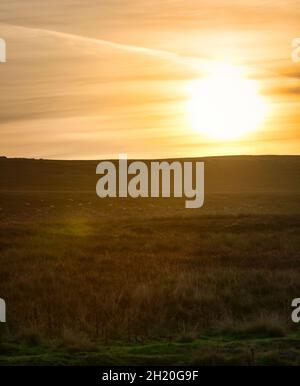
[{"x": 232, "y": 174}]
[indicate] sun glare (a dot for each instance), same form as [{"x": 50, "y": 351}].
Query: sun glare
[{"x": 225, "y": 104}]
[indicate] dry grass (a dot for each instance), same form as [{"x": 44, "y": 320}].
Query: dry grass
[{"x": 74, "y": 269}]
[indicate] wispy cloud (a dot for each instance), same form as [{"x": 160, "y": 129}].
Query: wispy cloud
[{"x": 107, "y": 75}]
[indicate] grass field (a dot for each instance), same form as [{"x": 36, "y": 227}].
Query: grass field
[{"x": 124, "y": 281}]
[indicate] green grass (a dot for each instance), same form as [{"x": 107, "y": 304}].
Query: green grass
[{"x": 209, "y": 350}]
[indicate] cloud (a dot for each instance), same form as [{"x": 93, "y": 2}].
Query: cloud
[{"x": 114, "y": 72}]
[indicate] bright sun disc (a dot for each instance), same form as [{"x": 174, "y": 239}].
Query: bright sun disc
[{"x": 225, "y": 105}]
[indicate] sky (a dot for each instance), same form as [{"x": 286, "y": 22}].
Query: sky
[{"x": 88, "y": 79}]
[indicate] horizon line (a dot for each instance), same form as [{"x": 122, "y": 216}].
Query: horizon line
[{"x": 3, "y": 157}]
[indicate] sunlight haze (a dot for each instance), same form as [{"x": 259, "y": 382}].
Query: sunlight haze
[{"x": 101, "y": 78}]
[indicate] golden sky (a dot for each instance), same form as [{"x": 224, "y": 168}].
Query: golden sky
[{"x": 89, "y": 79}]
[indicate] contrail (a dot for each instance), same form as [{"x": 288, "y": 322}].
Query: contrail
[{"x": 164, "y": 54}]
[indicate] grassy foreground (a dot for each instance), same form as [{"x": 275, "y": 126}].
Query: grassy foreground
[
  {"x": 219, "y": 350},
  {"x": 123, "y": 281}
]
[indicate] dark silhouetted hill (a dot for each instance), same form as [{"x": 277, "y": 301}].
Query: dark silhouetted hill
[{"x": 231, "y": 174}]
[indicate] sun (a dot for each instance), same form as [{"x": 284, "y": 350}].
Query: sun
[{"x": 225, "y": 104}]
